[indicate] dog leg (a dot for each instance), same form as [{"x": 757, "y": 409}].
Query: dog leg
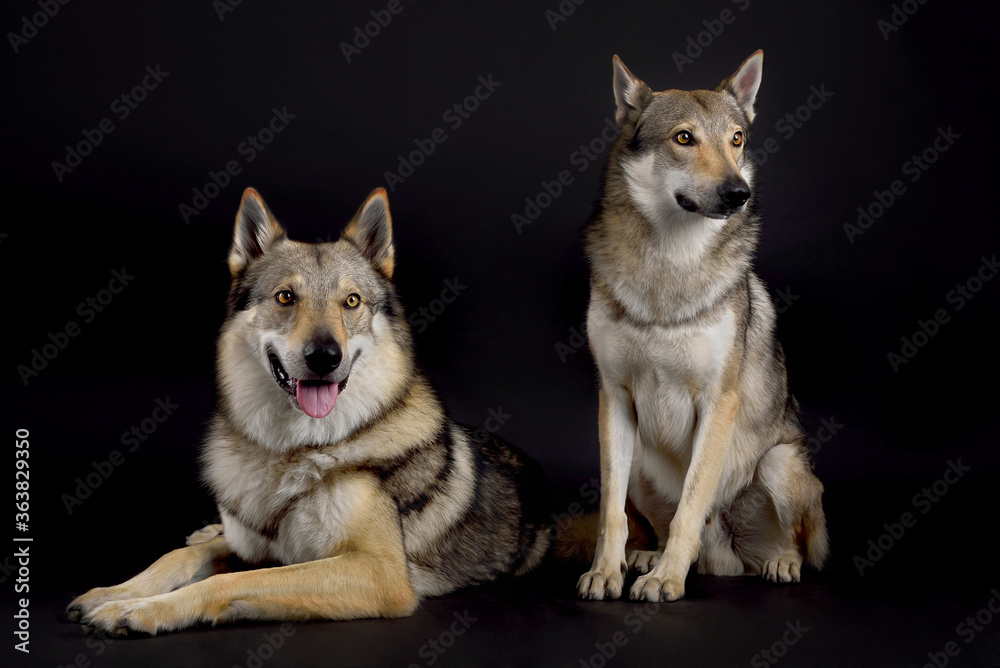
[
  {"x": 367, "y": 578},
  {"x": 618, "y": 432},
  {"x": 666, "y": 581},
  {"x": 354, "y": 585},
  {"x": 799, "y": 522},
  {"x": 204, "y": 534},
  {"x": 173, "y": 570}
]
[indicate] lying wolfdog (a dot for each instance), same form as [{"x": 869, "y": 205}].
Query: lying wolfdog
[{"x": 330, "y": 453}]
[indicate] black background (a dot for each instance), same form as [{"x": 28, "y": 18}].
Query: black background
[{"x": 507, "y": 342}]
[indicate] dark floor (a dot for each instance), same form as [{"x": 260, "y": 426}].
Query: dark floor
[
  {"x": 913, "y": 578},
  {"x": 903, "y": 610},
  {"x": 722, "y": 622}
]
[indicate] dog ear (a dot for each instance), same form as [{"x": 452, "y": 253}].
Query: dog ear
[
  {"x": 631, "y": 94},
  {"x": 744, "y": 82},
  {"x": 256, "y": 230},
  {"x": 371, "y": 231}
]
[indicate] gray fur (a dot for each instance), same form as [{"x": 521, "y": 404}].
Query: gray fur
[
  {"x": 677, "y": 322},
  {"x": 466, "y": 510}
]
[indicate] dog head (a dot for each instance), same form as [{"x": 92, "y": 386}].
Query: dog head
[
  {"x": 305, "y": 319},
  {"x": 683, "y": 151}
]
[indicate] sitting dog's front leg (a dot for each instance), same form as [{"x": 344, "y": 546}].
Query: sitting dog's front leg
[
  {"x": 701, "y": 485},
  {"x": 618, "y": 432}
]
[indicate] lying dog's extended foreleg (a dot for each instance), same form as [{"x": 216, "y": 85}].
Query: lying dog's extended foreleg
[
  {"x": 348, "y": 586},
  {"x": 366, "y": 577},
  {"x": 172, "y": 571}
]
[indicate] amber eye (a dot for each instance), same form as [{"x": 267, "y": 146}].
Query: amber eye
[
  {"x": 352, "y": 301},
  {"x": 738, "y": 139},
  {"x": 683, "y": 137},
  {"x": 285, "y": 297}
]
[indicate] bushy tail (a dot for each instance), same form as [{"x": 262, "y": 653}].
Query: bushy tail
[
  {"x": 813, "y": 530},
  {"x": 576, "y": 539}
]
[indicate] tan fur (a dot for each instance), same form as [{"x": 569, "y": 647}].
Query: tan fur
[
  {"x": 696, "y": 422},
  {"x": 364, "y": 577},
  {"x": 701, "y": 485},
  {"x": 366, "y": 491},
  {"x": 576, "y": 539}
]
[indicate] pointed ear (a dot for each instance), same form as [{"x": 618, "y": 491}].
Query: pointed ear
[
  {"x": 371, "y": 231},
  {"x": 744, "y": 82},
  {"x": 256, "y": 230},
  {"x": 631, "y": 94}
]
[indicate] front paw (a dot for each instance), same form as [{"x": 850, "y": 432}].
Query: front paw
[
  {"x": 654, "y": 589},
  {"x": 601, "y": 583},
  {"x": 84, "y": 604},
  {"x": 204, "y": 534},
  {"x": 137, "y": 616}
]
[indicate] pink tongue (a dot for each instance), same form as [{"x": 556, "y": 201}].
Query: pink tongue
[{"x": 316, "y": 400}]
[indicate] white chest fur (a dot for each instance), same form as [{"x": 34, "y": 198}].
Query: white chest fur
[
  {"x": 281, "y": 508},
  {"x": 670, "y": 373}
]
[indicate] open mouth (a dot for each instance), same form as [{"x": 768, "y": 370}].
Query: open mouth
[{"x": 315, "y": 396}]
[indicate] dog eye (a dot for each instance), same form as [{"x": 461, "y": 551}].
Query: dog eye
[
  {"x": 285, "y": 297},
  {"x": 352, "y": 301},
  {"x": 738, "y": 139},
  {"x": 683, "y": 137}
]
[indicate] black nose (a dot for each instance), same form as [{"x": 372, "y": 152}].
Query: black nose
[
  {"x": 322, "y": 356},
  {"x": 734, "y": 193}
]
